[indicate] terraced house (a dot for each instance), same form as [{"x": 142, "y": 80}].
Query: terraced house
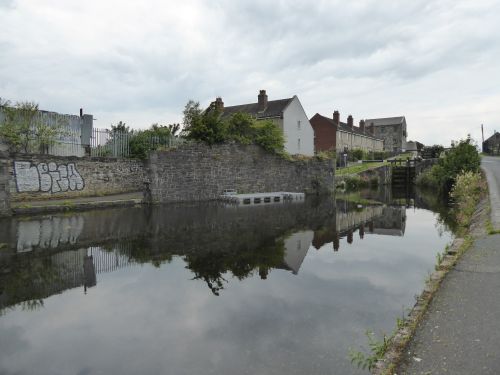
[{"x": 332, "y": 134}]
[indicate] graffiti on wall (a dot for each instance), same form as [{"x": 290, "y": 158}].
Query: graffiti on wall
[{"x": 47, "y": 177}]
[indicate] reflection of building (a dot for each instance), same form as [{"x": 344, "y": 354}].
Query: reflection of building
[
  {"x": 296, "y": 247},
  {"x": 382, "y": 220},
  {"x": 392, "y": 222}
]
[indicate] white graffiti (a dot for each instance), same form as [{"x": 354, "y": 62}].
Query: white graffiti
[
  {"x": 47, "y": 177},
  {"x": 48, "y": 233}
]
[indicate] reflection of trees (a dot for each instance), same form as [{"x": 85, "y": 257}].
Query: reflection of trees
[
  {"x": 439, "y": 204},
  {"x": 211, "y": 266},
  {"x": 28, "y": 283}
]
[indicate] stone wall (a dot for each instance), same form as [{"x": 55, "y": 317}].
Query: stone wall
[
  {"x": 35, "y": 177},
  {"x": 4, "y": 185},
  {"x": 197, "y": 172}
]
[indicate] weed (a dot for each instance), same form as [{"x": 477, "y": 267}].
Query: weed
[
  {"x": 377, "y": 349},
  {"x": 439, "y": 260}
]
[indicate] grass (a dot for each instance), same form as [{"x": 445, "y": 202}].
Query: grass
[
  {"x": 490, "y": 229},
  {"x": 358, "y": 168}
]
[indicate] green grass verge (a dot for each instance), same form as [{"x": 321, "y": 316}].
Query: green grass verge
[{"x": 354, "y": 169}]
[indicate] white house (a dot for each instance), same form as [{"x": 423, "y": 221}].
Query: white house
[{"x": 288, "y": 115}]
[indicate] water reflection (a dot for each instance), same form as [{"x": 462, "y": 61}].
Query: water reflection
[{"x": 216, "y": 253}]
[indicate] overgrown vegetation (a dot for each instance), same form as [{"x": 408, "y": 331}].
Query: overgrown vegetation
[
  {"x": 209, "y": 127},
  {"x": 462, "y": 157},
  {"x": 376, "y": 350},
  {"x": 24, "y": 130},
  {"x": 466, "y": 192}
]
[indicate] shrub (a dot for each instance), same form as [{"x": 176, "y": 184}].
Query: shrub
[
  {"x": 208, "y": 127},
  {"x": 462, "y": 157},
  {"x": 466, "y": 192}
]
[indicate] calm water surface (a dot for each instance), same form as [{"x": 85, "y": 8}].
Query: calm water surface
[{"x": 209, "y": 289}]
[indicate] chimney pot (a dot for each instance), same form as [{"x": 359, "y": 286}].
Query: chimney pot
[
  {"x": 336, "y": 117},
  {"x": 219, "y": 104},
  {"x": 81, "y": 112},
  {"x": 350, "y": 121},
  {"x": 262, "y": 100}
]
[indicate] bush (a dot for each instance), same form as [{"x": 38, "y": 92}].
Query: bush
[
  {"x": 466, "y": 192},
  {"x": 208, "y": 127},
  {"x": 462, "y": 157}
]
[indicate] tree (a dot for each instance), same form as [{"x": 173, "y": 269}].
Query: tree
[
  {"x": 121, "y": 127},
  {"x": 205, "y": 126},
  {"x": 174, "y": 129},
  {"x": 208, "y": 126},
  {"x": 462, "y": 157},
  {"x": 24, "y": 129}
]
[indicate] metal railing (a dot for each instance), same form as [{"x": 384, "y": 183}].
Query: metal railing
[{"x": 105, "y": 142}]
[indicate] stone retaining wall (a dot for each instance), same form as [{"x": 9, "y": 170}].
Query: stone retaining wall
[
  {"x": 36, "y": 177},
  {"x": 197, "y": 172},
  {"x": 4, "y": 185}
]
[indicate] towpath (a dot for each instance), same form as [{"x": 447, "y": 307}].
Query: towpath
[{"x": 460, "y": 332}]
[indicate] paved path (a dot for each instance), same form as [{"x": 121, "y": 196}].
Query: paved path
[
  {"x": 491, "y": 165},
  {"x": 460, "y": 333},
  {"x": 73, "y": 204}
]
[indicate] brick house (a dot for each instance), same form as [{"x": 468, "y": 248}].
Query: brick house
[{"x": 332, "y": 134}]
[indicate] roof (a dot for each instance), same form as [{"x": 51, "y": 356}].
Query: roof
[
  {"x": 493, "y": 137},
  {"x": 385, "y": 121},
  {"x": 346, "y": 128},
  {"x": 274, "y": 109}
]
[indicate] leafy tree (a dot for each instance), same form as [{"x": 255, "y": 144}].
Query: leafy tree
[
  {"x": 208, "y": 126},
  {"x": 144, "y": 141},
  {"x": 121, "y": 127},
  {"x": 462, "y": 157},
  {"x": 174, "y": 129},
  {"x": 205, "y": 126},
  {"x": 23, "y": 128}
]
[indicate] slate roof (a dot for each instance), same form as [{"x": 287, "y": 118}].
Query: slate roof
[
  {"x": 346, "y": 128},
  {"x": 493, "y": 138},
  {"x": 274, "y": 109},
  {"x": 385, "y": 121}
]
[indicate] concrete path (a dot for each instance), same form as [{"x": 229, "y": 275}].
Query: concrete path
[
  {"x": 460, "y": 333},
  {"x": 491, "y": 165},
  {"x": 80, "y": 203}
]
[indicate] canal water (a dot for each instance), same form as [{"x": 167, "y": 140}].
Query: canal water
[{"x": 212, "y": 288}]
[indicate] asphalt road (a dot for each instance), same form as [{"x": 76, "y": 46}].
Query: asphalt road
[{"x": 460, "y": 333}]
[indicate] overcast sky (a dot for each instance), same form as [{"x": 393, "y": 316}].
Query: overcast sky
[{"x": 435, "y": 62}]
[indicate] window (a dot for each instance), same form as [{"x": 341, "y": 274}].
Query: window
[
  {"x": 298, "y": 144},
  {"x": 298, "y": 125}
]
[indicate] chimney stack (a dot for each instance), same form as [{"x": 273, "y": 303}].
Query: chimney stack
[
  {"x": 219, "y": 104},
  {"x": 350, "y": 121},
  {"x": 362, "y": 125},
  {"x": 336, "y": 117},
  {"x": 262, "y": 100}
]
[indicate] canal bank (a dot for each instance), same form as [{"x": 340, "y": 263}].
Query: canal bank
[{"x": 453, "y": 327}]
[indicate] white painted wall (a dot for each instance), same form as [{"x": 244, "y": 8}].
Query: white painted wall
[
  {"x": 296, "y": 247},
  {"x": 291, "y": 116}
]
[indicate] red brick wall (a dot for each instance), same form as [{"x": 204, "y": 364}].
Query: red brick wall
[{"x": 325, "y": 133}]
